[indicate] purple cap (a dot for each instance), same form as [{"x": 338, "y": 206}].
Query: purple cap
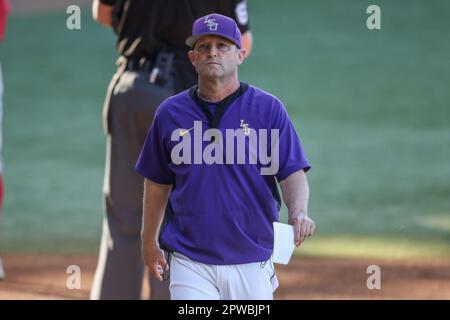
[{"x": 217, "y": 25}]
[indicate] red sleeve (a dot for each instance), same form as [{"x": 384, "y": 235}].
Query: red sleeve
[{"x": 4, "y": 10}]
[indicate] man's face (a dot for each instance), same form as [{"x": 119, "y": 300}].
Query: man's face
[{"x": 216, "y": 57}]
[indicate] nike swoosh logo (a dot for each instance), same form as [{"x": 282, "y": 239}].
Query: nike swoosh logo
[{"x": 182, "y": 133}]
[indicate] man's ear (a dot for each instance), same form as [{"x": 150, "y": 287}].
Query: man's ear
[
  {"x": 241, "y": 55},
  {"x": 191, "y": 56}
]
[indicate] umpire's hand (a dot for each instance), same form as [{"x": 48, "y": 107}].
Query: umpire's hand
[
  {"x": 154, "y": 259},
  {"x": 304, "y": 227}
]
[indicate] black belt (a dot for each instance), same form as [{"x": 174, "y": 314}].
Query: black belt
[
  {"x": 139, "y": 64},
  {"x": 160, "y": 68}
]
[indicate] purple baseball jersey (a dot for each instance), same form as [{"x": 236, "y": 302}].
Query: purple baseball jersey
[{"x": 223, "y": 184}]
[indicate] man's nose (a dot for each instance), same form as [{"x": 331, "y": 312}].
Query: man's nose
[{"x": 213, "y": 51}]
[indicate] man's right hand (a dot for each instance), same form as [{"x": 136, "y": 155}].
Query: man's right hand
[
  {"x": 154, "y": 259},
  {"x": 155, "y": 200}
]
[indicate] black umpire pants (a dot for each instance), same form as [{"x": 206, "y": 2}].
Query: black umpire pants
[{"x": 129, "y": 109}]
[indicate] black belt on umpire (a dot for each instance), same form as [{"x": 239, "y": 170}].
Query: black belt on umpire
[
  {"x": 159, "y": 68},
  {"x": 139, "y": 64}
]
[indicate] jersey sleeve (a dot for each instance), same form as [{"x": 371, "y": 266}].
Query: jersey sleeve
[
  {"x": 241, "y": 15},
  {"x": 292, "y": 157},
  {"x": 4, "y": 10},
  {"x": 154, "y": 160}
]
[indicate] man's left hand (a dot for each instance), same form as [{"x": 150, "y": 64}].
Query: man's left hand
[{"x": 304, "y": 227}]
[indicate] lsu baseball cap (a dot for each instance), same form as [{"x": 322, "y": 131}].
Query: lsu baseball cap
[{"x": 217, "y": 25}]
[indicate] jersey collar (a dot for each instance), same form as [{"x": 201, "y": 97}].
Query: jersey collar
[{"x": 222, "y": 106}]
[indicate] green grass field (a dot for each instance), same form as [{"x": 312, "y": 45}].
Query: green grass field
[{"x": 372, "y": 109}]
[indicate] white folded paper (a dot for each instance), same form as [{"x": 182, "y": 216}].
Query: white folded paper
[{"x": 283, "y": 242}]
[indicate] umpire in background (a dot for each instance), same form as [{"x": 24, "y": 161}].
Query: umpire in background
[{"x": 152, "y": 66}]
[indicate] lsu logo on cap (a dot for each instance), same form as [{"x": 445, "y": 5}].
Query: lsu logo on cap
[{"x": 211, "y": 23}]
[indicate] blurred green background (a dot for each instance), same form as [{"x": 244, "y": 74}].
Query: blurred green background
[{"x": 372, "y": 109}]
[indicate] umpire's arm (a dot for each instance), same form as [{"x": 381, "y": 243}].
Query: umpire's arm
[
  {"x": 295, "y": 191},
  {"x": 155, "y": 201},
  {"x": 102, "y": 13}
]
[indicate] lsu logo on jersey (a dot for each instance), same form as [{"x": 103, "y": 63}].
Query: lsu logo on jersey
[{"x": 245, "y": 127}]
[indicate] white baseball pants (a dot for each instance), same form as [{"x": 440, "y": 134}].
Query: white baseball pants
[{"x": 191, "y": 280}]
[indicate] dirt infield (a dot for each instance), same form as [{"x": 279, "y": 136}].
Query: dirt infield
[{"x": 44, "y": 277}]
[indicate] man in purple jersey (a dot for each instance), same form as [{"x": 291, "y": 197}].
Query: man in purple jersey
[{"x": 218, "y": 150}]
